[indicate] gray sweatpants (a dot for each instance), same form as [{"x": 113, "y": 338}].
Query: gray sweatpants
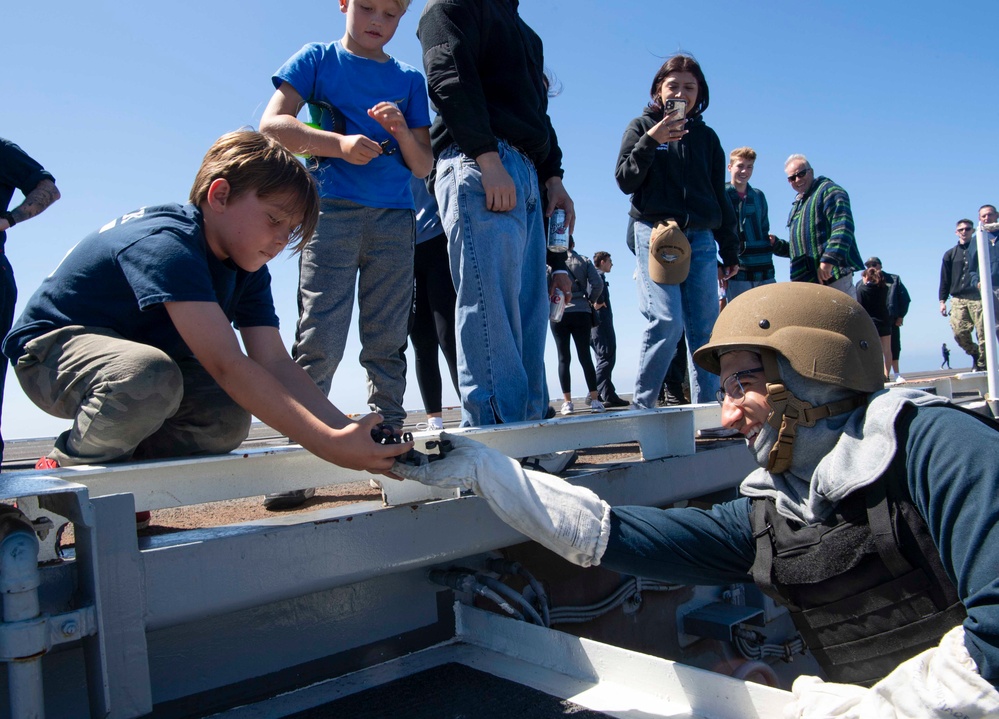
[
  {"x": 127, "y": 400},
  {"x": 371, "y": 248}
]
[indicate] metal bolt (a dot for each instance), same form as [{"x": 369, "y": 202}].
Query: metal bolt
[{"x": 69, "y": 628}]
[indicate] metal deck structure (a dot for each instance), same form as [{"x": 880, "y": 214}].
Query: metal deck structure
[{"x": 276, "y": 617}]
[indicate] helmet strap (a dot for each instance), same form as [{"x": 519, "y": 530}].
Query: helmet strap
[{"x": 788, "y": 413}]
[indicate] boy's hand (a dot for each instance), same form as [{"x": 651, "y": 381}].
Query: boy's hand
[
  {"x": 358, "y": 149},
  {"x": 355, "y": 449},
  {"x": 389, "y": 116}
]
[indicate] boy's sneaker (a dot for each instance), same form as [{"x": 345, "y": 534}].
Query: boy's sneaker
[
  {"x": 615, "y": 401},
  {"x": 46, "y": 463},
  {"x": 288, "y": 500},
  {"x": 567, "y": 407},
  {"x": 596, "y": 406},
  {"x": 142, "y": 520},
  {"x": 551, "y": 463}
]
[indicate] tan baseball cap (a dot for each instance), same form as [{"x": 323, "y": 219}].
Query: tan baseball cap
[{"x": 669, "y": 254}]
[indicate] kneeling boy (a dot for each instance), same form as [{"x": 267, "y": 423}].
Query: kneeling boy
[{"x": 131, "y": 337}]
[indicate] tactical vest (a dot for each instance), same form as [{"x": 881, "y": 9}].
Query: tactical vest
[{"x": 866, "y": 588}]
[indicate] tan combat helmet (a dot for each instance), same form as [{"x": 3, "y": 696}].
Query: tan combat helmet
[{"x": 824, "y": 335}]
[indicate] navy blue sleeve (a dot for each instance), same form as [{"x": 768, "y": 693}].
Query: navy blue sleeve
[
  {"x": 18, "y": 169},
  {"x": 952, "y": 462},
  {"x": 254, "y": 303},
  {"x": 684, "y": 546}
]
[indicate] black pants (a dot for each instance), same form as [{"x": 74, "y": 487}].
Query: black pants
[
  {"x": 603, "y": 340},
  {"x": 8, "y": 298},
  {"x": 574, "y": 325},
  {"x": 433, "y": 321}
]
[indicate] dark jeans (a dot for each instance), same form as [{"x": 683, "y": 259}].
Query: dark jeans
[
  {"x": 433, "y": 320},
  {"x": 603, "y": 340},
  {"x": 8, "y": 298},
  {"x": 574, "y": 325}
]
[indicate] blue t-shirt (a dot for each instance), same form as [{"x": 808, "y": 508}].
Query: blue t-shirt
[
  {"x": 353, "y": 85},
  {"x": 119, "y": 277}
]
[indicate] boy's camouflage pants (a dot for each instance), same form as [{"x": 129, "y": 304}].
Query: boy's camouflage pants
[{"x": 127, "y": 400}]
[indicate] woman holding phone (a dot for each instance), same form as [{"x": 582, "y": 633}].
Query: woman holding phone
[{"x": 673, "y": 166}]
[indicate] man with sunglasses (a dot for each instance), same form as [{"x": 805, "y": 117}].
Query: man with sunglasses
[
  {"x": 820, "y": 229},
  {"x": 959, "y": 282},
  {"x": 988, "y": 221},
  {"x": 871, "y": 515}
]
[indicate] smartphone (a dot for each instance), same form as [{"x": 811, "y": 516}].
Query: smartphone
[{"x": 673, "y": 105}]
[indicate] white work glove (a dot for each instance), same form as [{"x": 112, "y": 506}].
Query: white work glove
[
  {"x": 571, "y": 521},
  {"x": 940, "y": 683}
]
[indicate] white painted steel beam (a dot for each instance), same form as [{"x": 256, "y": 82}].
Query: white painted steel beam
[
  {"x": 180, "y": 482},
  {"x": 609, "y": 679},
  {"x": 197, "y": 574}
]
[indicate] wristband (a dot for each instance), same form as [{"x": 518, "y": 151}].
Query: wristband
[{"x": 9, "y": 216}]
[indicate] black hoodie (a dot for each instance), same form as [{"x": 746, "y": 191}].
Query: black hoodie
[{"x": 683, "y": 181}]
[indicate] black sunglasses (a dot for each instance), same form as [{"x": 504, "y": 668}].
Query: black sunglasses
[{"x": 798, "y": 175}]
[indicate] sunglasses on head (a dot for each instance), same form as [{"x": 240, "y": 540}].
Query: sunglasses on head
[{"x": 798, "y": 175}]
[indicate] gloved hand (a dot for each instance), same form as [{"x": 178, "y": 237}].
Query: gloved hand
[
  {"x": 571, "y": 521},
  {"x": 940, "y": 683}
]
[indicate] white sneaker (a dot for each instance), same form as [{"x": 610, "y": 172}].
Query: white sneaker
[
  {"x": 596, "y": 406},
  {"x": 433, "y": 424},
  {"x": 899, "y": 378},
  {"x": 552, "y": 463},
  {"x": 567, "y": 407}
]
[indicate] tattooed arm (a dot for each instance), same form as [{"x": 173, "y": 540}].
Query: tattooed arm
[{"x": 35, "y": 202}]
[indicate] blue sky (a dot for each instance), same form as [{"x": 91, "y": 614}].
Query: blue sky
[{"x": 894, "y": 101}]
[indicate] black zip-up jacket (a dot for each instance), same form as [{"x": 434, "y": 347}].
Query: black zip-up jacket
[
  {"x": 485, "y": 75},
  {"x": 682, "y": 181},
  {"x": 958, "y": 273}
]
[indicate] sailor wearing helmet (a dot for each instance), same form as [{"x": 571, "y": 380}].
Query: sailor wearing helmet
[{"x": 872, "y": 516}]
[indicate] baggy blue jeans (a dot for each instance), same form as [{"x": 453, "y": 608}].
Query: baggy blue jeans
[
  {"x": 498, "y": 267},
  {"x": 669, "y": 310}
]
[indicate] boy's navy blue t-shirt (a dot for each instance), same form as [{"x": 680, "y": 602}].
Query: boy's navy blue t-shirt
[
  {"x": 119, "y": 277},
  {"x": 328, "y": 73}
]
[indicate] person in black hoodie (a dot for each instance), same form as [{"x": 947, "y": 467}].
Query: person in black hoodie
[{"x": 674, "y": 168}]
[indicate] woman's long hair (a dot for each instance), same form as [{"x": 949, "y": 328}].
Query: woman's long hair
[{"x": 681, "y": 63}]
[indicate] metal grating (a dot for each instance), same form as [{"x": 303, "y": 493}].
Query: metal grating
[{"x": 450, "y": 691}]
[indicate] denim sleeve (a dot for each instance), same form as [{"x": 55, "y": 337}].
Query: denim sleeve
[
  {"x": 951, "y": 463},
  {"x": 685, "y": 546}
]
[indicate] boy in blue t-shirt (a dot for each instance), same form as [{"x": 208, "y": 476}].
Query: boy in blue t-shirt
[
  {"x": 131, "y": 336},
  {"x": 373, "y": 136}
]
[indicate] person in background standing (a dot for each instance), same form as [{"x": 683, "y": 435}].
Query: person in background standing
[
  {"x": 673, "y": 166},
  {"x": 433, "y": 306},
  {"x": 18, "y": 171},
  {"x": 898, "y": 307},
  {"x": 493, "y": 143},
  {"x": 576, "y": 323},
  {"x": 959, "y": 282},
  {"x": 603, "y": 340},
  {"x": 820, "y": 229},
  {"x": 757, "y": 246}
]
